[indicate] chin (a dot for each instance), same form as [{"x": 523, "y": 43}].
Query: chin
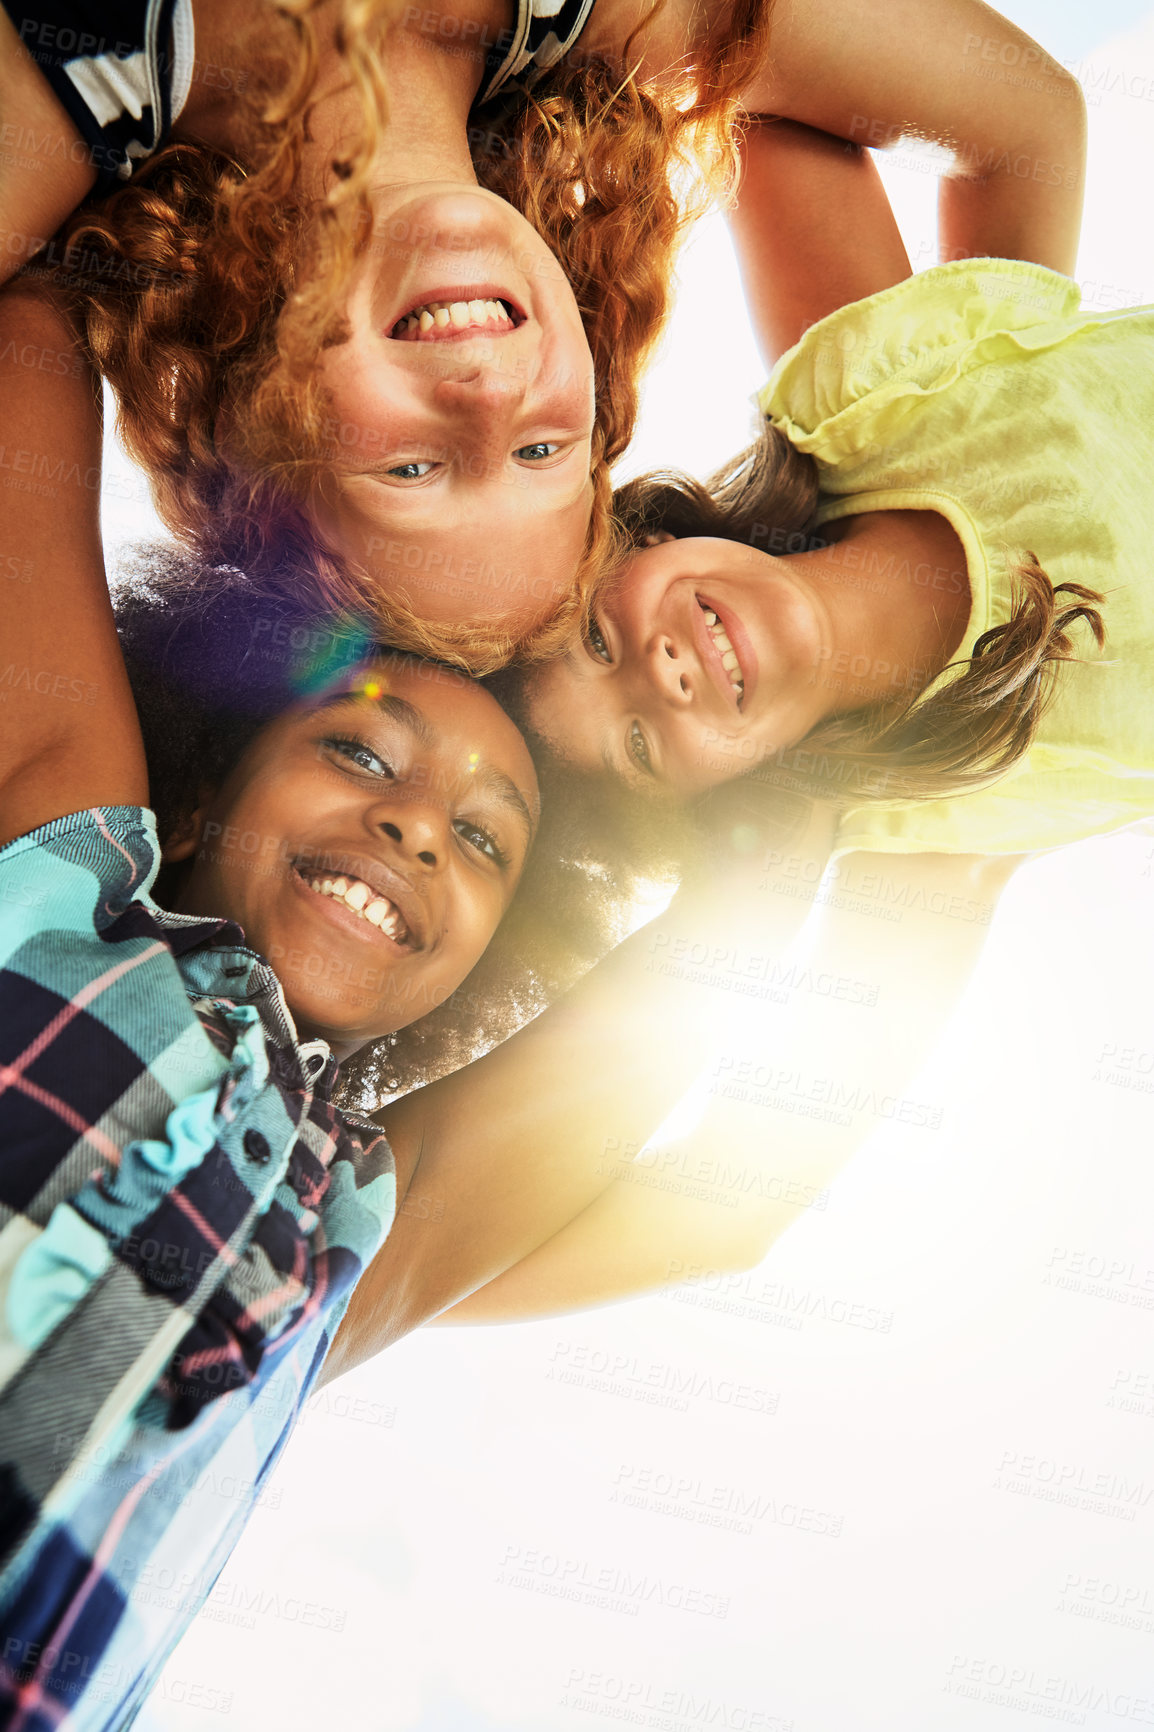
[{"x": 318, "y": 1016}]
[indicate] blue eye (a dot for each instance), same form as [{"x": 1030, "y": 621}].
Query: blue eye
[
  {"x": 535, "y": 453},
  {"x": 356, "y": 751},
  {"x": 415, "y": 471},
  {"x": 482, "y": 841},
  {"x": 638, "y": 748}
]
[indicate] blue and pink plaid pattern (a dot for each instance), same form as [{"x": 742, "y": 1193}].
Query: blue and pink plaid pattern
[{"x": 183, "y": 1215}]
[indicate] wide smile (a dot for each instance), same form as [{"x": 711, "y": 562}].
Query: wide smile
[
  {"x": 727, "y": 667},
  {"x": 378, "y": 906},
  {"x": 451, "y": 316}
]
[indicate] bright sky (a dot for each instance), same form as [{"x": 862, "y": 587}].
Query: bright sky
[{"x": 950, "y": 1363}]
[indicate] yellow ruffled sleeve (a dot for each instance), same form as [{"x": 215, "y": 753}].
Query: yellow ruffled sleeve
[
  {"x": 978, "y": 390},
  {"x": 871, "y": 364}
]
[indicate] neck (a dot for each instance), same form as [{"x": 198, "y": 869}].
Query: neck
[
  {"x": 432, "y": 71},
  {"x": 340, "y": 1046},
  {"x": 660, "y": 41},
  {"x": 894, "y": 590}
]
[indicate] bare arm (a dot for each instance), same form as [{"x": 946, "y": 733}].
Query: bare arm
[
  {"x": 813, "y": 228},
  {"x": 69, "y": 737},
  {"x": 508, "y": 1151},
  {"x": 45, "y": 167},
  {"x": 719, "y": 1199},
  {"x": 954, "y": 73}
]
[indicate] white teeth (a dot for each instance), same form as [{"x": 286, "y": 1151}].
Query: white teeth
[
  {"x": 726, "y": 650},
  {"x": 365, "y": 901},
  {"x": 456, "y": 315}
]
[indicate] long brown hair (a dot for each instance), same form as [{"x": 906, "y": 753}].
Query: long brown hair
[
  {"x": 971, "y": 728},
  {"x": 207, "y": 288}
]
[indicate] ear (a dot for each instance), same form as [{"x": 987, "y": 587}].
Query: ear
[
  {"x": 657, "y": 536},
  {"x": 184, "y": 838}
]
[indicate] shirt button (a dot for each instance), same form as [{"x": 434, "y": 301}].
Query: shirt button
[{"x": 256, "y": 1147}]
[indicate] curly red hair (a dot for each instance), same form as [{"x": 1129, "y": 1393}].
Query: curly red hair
[{"x": 206, "y": 293}]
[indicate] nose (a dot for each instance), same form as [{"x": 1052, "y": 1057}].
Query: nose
[
  {"x": 485, "y": 397},
  {"x": 418, "y": 826},
  {"x": 483, "y": 409},
  {"x": 670, "y": 670}
]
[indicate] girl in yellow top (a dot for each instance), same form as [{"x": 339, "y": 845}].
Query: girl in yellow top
[
  {"x": 979, "y": 392},
  {"x": 951, "y": 440}
]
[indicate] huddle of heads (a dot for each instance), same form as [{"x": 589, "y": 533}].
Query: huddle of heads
[
  {"x": 407, "y": 419},
  {"x": 382, "y": 418}
]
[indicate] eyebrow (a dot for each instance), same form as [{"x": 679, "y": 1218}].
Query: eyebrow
[
  {"x": 397, "y": 709},
  {"x": 505, "y": 789},
  {"x": 495, "y": 782}
]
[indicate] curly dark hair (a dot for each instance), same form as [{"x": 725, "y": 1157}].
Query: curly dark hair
[{"x": 213, "y": 657}]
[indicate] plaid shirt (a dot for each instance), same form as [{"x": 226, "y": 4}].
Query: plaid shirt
[{"x": 183, "y": 1215}]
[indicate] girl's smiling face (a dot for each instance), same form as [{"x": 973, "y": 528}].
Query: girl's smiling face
[
  {"x": 462, "y": 403},
  {"x": 703, "y": 659},
  {"x": 369, "y": 844}
]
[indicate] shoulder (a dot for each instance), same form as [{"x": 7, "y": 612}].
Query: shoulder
[
  {"x": 914, "y": 340},
  {"x": 83, "y": 868}
]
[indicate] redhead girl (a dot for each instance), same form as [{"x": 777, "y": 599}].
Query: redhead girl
[
  {"x": 362, "y": 357},
  {"x": 451, "y": 472}
]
